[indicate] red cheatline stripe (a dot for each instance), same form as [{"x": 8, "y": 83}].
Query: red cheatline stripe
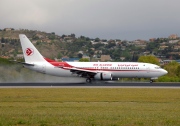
[{"x": 69, "y": 67}]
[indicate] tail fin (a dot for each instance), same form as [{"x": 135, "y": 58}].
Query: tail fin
[{"x": 31, "y": 54}]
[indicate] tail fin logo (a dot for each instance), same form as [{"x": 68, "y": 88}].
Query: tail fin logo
[{"x": 29, "y": 51}]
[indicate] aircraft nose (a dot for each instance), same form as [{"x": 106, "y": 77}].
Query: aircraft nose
[{"x": 165, "y": 72}]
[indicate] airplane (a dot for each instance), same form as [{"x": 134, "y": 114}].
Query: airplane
[{"x": 101, "y": 71}]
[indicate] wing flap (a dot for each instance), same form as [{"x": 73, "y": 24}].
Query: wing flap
[{"x": 81, "y": 70}]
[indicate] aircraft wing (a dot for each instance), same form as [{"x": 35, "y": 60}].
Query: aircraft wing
[{"x": 82, "y": 72}]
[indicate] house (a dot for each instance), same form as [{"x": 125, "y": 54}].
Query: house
[
  {"x": 105, "y": 58},
  {"x": 5, "y": 57},
  {"x": 167, "y": 61},
  {"x": 173, "y": 41},
  {"x": 152, "y": 39},
  {"x": 174, "y": 53},
  {"x": 163, "y": 47},
  {"x": 70, "y": 59},
  {"x": 176, "y": 47},
  {"x": 80, "y": 52},
  {"x": 122, "y": 58},
  {"x": 19, "y": 56},
  {"x": 40, "y": 36},
  {"x": 173, "y": 36},
  {"x": 178, "y": 61},
  {"x": 7, "y": 29},
  {"x": 140, "y": 43},
  {"x": 146, "y": 52},
  {"x": 93, "y": 43},
  {"x": 163, "y": 43},
  {"x": 123, "y": 47}
]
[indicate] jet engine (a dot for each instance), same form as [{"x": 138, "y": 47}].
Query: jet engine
[{"x": 103, "y": 76}]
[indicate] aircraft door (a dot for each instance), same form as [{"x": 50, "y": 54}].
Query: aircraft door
[
  {"x": 148, "y": 69},
  {"x": 43, "y": 68}
]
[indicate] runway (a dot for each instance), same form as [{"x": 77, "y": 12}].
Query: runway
[{"x": 91, "y": 85}]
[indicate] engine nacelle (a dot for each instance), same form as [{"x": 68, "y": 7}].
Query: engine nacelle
[{"x": 103, "y": 76}]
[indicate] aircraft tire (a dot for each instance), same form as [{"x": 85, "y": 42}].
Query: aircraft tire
[
  {"x": 151, "y": 81},
  {"x": 88, "y": 80}
]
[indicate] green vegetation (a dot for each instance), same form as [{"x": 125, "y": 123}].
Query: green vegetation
[
  {"x": 173, "y": 75},
  {"x": 84, "y": 60},
  {"x": 51, "y": 107},
  {"x": 4, "y": 61},
  {"x": 148, "y": 59},
  {"x": 173, "y": 69}
]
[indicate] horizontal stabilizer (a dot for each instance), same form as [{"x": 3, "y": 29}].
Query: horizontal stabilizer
[{"x": 27, "y": 64}]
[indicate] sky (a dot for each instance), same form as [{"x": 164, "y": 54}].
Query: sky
[{"x": 105, "y": 19}]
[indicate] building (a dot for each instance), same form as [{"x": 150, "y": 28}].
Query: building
[
  {"x": 8, "y": 29},
  {"x": 152, "y": 39},
  {"x": 173, "y": 36},
  {"x": 105, "y": 58},
  {"x": 19, "y": 56},
  {"x": 70, "y": 59}
]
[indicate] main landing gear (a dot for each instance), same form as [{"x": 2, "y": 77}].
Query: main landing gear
[
  {"x": 88, "y": 80},
  {"x": 151, "y": 81}
]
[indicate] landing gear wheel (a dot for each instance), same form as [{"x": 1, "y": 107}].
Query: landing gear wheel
[
  {"x": 151, "y": 81},
  {"x": 88, "y": 80}
]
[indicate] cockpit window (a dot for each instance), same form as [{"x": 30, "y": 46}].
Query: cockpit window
[{"x": 158, "y": 67}]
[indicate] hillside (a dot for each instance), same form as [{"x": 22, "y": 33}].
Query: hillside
[
  {"x": 56, "y": 46},
  {"x": 11, "y": 45}
]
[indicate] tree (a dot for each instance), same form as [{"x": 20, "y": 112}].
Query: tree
[
  {"x": 53, "y": 33},
  {"x": 73, "y": 35},
  {"x": 173, "y": 75},
  {"x": 2, "y": 40},
  {"x": 151, "y": 46},
  {"x": 52, "y": 37},
  {"x": 63, "y": 36},
  {"x": 84, "y": 60},
  {"x": 59, "y": 56},
  {"x": 98, "y": 45},
  {"x": 80, "y": 55},
  {"x": 82, "y": 37},
  {"x": 111, "y": 44},
  {"x": 148, "y": 59},
  {"x": 35, "y": 37},
  {"x": 87, "y": 38},
  {"x": 97, "y": 39},
  {"x": 178, "y": 71},
  {"x": 172, "y": 68}
]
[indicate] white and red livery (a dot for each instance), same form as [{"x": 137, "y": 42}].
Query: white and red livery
[{"x": 89, "y": 70}]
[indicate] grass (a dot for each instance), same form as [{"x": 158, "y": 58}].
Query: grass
[{"x": 90, "y": 107}]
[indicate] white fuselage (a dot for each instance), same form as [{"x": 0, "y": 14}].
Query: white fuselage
[{"x": 117, "y": 69}]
